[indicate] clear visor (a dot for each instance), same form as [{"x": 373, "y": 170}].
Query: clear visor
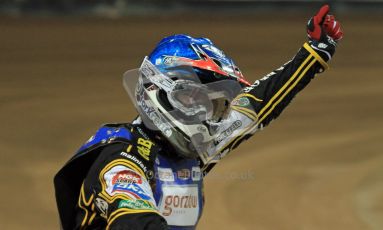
[
  {"x": 194, "y": 99},
  {"x": 176, "y": 102}
]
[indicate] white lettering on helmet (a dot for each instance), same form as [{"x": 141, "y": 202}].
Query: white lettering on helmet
[{"x": 156, "y": 77}]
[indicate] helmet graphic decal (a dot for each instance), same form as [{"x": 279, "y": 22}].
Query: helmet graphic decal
[
  {"x": 196, "y": 52},
  {"x": 184, "y": 90}
]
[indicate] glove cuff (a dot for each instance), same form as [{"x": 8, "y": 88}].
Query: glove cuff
[{"x": 325, "y": 47}]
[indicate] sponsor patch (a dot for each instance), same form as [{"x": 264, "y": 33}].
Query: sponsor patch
[
  {"x": 102, "y": 206},
  {"x": 258, "y": 82},
  {"x": 153, "y": 115},
  {"x": 142, "y": 132},
  {"x": 135, "y": 160},
  {"x": 196, "y": 173},
  {"x": 168, "y": 60},
  {"x": 132, "y": 189},
  {"x": 179, "y": 205},
  {"x": 234, "y": 126},
  {"x": 183, "y": 174},
  {"x": 135, "y": 204},
  {"x": 242, "y": 101},
  {"x": 122, "y": 180},
  {"x": 126, "y": 177},
  {"x": 155, "y": 76},
  {"x": 144, "y": 147},
  {"x": 165, "y": 174}
]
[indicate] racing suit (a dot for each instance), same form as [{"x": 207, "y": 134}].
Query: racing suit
[{"x": 127, "y": 177}]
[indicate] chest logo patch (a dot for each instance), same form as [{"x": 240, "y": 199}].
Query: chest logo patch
[
  {"x": 179, "y": 205},
  {"x": 122, "y": 180}
]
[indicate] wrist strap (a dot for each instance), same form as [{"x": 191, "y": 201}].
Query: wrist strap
[{"x": 316, "y": 56}]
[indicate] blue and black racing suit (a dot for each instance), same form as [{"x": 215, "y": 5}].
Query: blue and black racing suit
[{"x": 128, "y": 177}]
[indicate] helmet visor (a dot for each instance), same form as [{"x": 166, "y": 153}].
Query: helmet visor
[
  {"x": 177, "y": 103},
  {"x": 191, "y": 99}
]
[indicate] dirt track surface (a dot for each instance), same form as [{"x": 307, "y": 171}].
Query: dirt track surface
[{"x": 319, "y": 166}]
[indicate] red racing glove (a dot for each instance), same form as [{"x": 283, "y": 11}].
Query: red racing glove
[
  {"x": 314, "y": 25},
  {"x": 323, "y": 24},
  {"x": 324, "y": 33},
  {"x": 332, "y": 28}
]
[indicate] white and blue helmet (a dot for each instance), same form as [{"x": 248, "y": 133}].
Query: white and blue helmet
[{"x": 183, "y": 89}]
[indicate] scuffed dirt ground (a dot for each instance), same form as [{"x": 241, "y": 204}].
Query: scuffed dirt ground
[{"x": 320, "y": 166}]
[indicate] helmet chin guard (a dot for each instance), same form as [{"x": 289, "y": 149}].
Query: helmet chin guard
[{"x": 175, "y": 102}]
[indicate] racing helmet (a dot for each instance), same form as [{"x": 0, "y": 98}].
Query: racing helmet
[{"x": 183, "y": 89}]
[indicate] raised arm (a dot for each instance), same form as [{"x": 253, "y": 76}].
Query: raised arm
[
  {"x": 271, "y": 94},
  {"x": 266, "y": 98}
]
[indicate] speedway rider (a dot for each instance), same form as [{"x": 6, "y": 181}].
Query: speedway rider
[{"x": 194, "y": 107}]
